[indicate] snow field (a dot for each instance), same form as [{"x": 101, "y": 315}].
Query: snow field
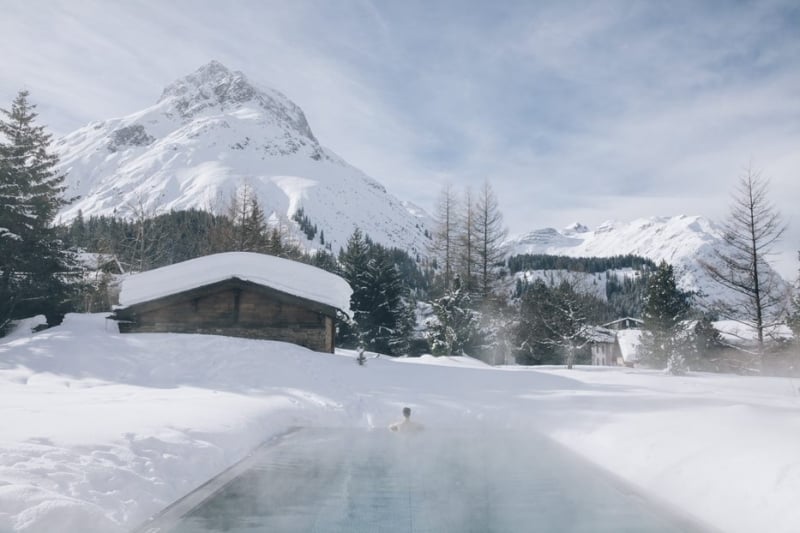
[{"x": 102, "y": 430}]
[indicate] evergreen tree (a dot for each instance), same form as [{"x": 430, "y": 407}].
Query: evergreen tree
[
  {"x": 386, "y": 325},
  {"x": 553, "y": 321},
  {"x": 353, "y": 259},
  {"x": 665, "y": 307},
  {"x": 324, "y": 260},
  {"x": 382, "y": 311},
  {"x": 703, "y": 346},
  {"x": 455, "y": 329},
  {"x": 33, "y": 261},
  {"x": 531, "y": 335},
  {"x": 794, "y": 313}
]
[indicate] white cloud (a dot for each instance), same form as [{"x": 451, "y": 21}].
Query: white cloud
[{"x": 575, "y": 110}]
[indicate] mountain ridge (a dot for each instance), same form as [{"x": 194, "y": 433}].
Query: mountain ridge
[
  {"x": 212, "y": 131},
  {"x": 682, "y": 241}
]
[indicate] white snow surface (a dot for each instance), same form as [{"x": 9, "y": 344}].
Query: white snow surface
[
  {"x": 101, "y": 430},
  {"x": 287, "y": 276},
  {"x": 629, "y": 341},
  {"x": 213, "y": 131},
  {"x": 682, "y": 241}
]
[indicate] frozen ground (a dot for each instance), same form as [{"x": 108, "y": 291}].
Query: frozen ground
[{"x": 100, "y": 430}]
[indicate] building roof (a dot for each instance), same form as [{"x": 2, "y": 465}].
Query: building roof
[
  {"x": 290, "y": 277},
  {"x": 624, "y": 319},
  {"x": 598, "y": 334}
]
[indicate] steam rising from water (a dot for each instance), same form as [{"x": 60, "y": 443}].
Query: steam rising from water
[{"x": 479, "y": 479}]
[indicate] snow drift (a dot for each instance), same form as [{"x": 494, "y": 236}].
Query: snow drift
[{"x": 101, "y": 430}]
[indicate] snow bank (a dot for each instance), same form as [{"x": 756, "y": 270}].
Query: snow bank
[
  {"x": 101, "y": 430},
  {"x": 291, "y": 277}
]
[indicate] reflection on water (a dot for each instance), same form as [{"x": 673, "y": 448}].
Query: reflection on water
[{"x": 381, "y": 482}]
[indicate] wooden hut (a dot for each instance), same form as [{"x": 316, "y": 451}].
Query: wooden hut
[{"x": 237, "y": 294}]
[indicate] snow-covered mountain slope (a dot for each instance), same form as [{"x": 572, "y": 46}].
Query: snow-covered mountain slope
[
  {"x": 213, "y": 131},
  {"x": 683, "y": 241}
]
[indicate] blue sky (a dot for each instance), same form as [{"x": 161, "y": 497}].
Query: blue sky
[{"x": 575, "y": 111}]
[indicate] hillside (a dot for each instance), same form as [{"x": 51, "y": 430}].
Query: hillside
[
  {"x": 212, "y": 131},
  {"x": 683, "y": 241}
]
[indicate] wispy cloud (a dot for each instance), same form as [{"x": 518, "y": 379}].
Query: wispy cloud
[{"x": 575, "y": 110}]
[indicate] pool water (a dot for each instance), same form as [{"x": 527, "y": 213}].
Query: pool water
[{"x": 432, "y": 481}]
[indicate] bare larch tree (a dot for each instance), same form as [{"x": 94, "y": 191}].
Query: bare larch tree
[
  {"x": 750, "y": 231},
  {"x": 490, "y": 234}
]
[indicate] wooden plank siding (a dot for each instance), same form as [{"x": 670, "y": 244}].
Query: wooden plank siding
[{"x": 235, "y": 308}]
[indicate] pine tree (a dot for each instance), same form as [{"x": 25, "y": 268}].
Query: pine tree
[
  {"x": 553, "y": 320},
  {"x": 33, "y": 261},
  {"x": 353, "y": 259},
  {"x": 665, "y": 307},
  {"x": 794, "y": 313},
  {"x": 703, "y": 346},
  {"x": 386, "y": 324},
  {"x": 382, "y": 312},
  {"x": 455, "y": 329},
  {"x": 531, "y": 334}
]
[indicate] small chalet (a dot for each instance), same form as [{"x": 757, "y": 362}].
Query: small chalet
[
  {"x": 616, "y": 343},
  {"x": 625, "y": 323},
  {"x": 603, "y": 345},
  {"x": 238, "y": 294}
]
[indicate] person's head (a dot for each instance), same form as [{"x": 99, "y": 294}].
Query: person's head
[{"x": 407, "y": 412}]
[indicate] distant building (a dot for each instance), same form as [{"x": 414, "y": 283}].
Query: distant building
[
  {"x": 625, "y": 323},
  {"x": 602, "y": 342},
  {"x": 616, "y": 343},
  {"x": 237, "y": 294}
]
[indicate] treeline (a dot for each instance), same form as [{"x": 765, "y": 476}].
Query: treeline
[
  {"x": 466, "y": 242},
  {"x": 152, "y": 242},
  {"x": 553, "y": 321},
  {"x": 459, "y": 301},
  {"x": 624, "y": 295},
  {"x": 522, "y": 262}
]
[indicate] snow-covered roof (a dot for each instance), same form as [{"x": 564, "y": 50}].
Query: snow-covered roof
[
  {"x": 291, "y": 277},
  {"x": 599, "y": 334},
  {"x": 629, "y": 341}
]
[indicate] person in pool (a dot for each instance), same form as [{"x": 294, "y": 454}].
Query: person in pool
[{"x": 406, "y": 425}]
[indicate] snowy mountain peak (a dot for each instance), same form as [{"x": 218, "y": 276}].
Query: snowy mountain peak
[
  {"x": 213, "y": 131},
  {"x": 214, "y": 86},
  {"x": 576, "y": 227},
  {"x": 683, "y": 241}
]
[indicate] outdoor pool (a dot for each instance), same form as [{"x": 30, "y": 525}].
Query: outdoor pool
[{"x": 352, "y": 481}]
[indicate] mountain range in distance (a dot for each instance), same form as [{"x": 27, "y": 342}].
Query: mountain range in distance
[{"x": 213, "y": 131}]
